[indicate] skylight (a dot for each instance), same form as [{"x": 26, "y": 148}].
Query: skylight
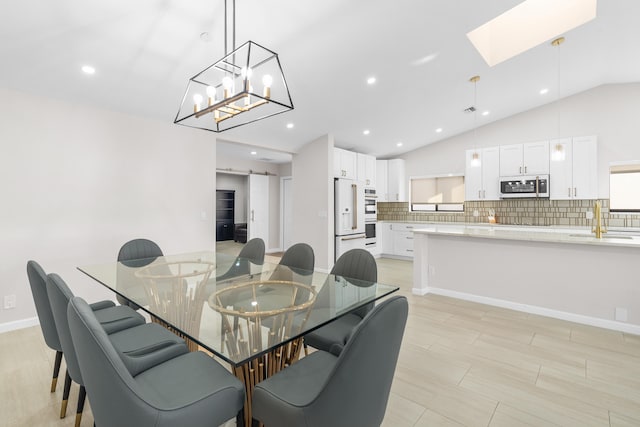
[{"x": 527, "y": 25}]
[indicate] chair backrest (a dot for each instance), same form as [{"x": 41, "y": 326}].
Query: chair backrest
[
  {"x": 110, "y": 387},
  {"x": 357, "y": 264},
  {"x": 297, "y": 263},
  {"x": 251, "y": 253},
  {"x": 358, "y": 387},
  {"x": 253, "y": 250},
  {"x": 59, "y": 296},
  {"x": 135, "y": 253},
  {"x": 299, "y": 256},
  {"x": 38, "y": 283},
  {"x": 139, "y": 252}
]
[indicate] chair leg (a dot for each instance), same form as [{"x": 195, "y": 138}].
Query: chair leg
[
  {"x": 81, "y": 398},
  {"x": 56, "y": 371},
  {"x": 65, "y": 394},
  {"x": 306, "y": 349}
]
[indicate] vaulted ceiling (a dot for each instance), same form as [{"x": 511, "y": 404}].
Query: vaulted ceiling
[{"x": 144, "y": 51}]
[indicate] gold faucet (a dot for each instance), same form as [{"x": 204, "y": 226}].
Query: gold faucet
[{"x": 598, "y": 229}]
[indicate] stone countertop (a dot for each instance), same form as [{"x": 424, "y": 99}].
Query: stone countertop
[{"x": 579, "y": 236}]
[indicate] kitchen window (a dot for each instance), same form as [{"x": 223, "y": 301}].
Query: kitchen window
[
  {"x": 624, "y": 187},
  {"x": 437, "y": 193}
]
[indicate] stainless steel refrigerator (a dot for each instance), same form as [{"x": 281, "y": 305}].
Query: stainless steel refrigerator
[{"x": 349, "y": 215}]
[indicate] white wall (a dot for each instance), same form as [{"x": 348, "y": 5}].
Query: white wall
[
  {"x": 611, "y": 112},
  {"x": 77, "y": 182},
  {"x": 312, "y": 172}
]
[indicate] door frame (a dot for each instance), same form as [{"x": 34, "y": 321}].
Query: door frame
[{"x": 282, "y": 200}]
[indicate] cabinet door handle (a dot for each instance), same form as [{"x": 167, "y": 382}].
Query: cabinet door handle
[
  {"x": 569, "y": 192},
  {"x": 484, "y": 194},
  {"x": 575, "y": 191},
  {"x": 520, "y": 169},
  {"x": 525, "y": 169},
  {"x": 252, "y": 215},
  {"x": 479, "y": 196}
]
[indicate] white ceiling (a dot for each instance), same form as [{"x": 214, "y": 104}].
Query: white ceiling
[{"x": 145, "y": 51}]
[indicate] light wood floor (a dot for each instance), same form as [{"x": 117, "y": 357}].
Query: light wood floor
[{"x": 461, "y": 364}]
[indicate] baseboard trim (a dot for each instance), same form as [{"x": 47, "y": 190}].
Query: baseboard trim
[
  {"x": 419, "y": 291},
  {"x": 18, "y": 324},
  {"x": 533, "y": 309}
]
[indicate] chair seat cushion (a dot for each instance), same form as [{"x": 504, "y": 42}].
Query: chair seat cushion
[
  {"x": 280, "y": 399},
  {"x": 117, "y": 318},
  {"x": 145, "y": 346},
  {"x": 336, "y": 332},
  {"x": 190, "y": 379}
]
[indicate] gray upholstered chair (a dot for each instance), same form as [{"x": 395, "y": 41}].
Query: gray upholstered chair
[
  {"x": 351, "y": 389},
  {"x": 38, "y": 283},
  {"x": 141, "y": 344},
  {"x": 251, "y": 253},
  {"x": 188, "y": 390},
  {"x": 137, "y": 253},
  {"x": 356, "y": 264}
]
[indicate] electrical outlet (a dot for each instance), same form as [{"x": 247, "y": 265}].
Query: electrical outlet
[
  {"x": 9, "y": 301},
  {"x": 621, "y": 314}
]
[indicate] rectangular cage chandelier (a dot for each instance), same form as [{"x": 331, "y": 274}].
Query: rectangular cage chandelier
[{"x": 245, "y": 86}]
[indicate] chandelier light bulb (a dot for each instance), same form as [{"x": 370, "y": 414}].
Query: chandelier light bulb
[
  {"x": 211, "y": 92},
  {"x": 267, "y": 81},
  {"x": 227, "y": 82},
  {"x": 197, "y": 99},
  {"x": 246, "y": 73}
]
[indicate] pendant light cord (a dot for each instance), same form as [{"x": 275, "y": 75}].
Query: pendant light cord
[{"x": 233, "y": 27}]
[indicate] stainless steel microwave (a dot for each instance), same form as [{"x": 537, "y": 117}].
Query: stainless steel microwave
[{"x": 525, "y": 186}]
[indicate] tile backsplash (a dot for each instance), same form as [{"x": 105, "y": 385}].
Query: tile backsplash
[{"x": 521, "y": 212}]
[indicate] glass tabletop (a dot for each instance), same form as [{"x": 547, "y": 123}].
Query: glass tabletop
[{"x": 234, "y": 307}]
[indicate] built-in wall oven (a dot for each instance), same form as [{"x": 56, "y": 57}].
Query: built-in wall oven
[
  {"x": 370, "y": 218},
  {"x": 370, "y": 204},
  {"x": 370, "y": 235}
]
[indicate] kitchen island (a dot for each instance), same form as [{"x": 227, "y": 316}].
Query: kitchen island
[{"x": 562, "y": 273}]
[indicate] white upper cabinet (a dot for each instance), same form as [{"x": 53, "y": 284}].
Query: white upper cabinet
[
  {"x": 344, "y": 164},
  {"x": 382, "y": 188},
  {"x": 396, "y": 181},
  {"x": 366, "y": 170},
  {"x": 573, "y": 168},
  {"x": 481, "y": 182},
  {"x": 531, "y": 158}
]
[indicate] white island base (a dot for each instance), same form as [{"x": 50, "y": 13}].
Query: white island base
[{"x": 580, "y": 279}]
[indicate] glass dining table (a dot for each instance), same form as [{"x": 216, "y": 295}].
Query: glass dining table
[{"x": 252, "y": 315}]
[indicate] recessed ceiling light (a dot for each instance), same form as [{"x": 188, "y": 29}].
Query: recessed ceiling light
[
  {"x": 485, "y": 113},
  {"x": 371, "y": 80},
  {"x": 88, "y": 69},
  {"x": 289, "y": 125},
  {"x": 438, "y": 130},
  {"x": 366, "y": 132},
  {"x": 399, "y": 144},
  {"x": 253, "y": 153},
  {"x": 544, "y": 91}
]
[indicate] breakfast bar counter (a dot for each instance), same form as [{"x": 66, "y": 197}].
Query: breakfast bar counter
[{"x": 562, "y": 273}]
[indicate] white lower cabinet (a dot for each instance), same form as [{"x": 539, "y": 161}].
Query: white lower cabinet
[{"x": 397, "y": 239}]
